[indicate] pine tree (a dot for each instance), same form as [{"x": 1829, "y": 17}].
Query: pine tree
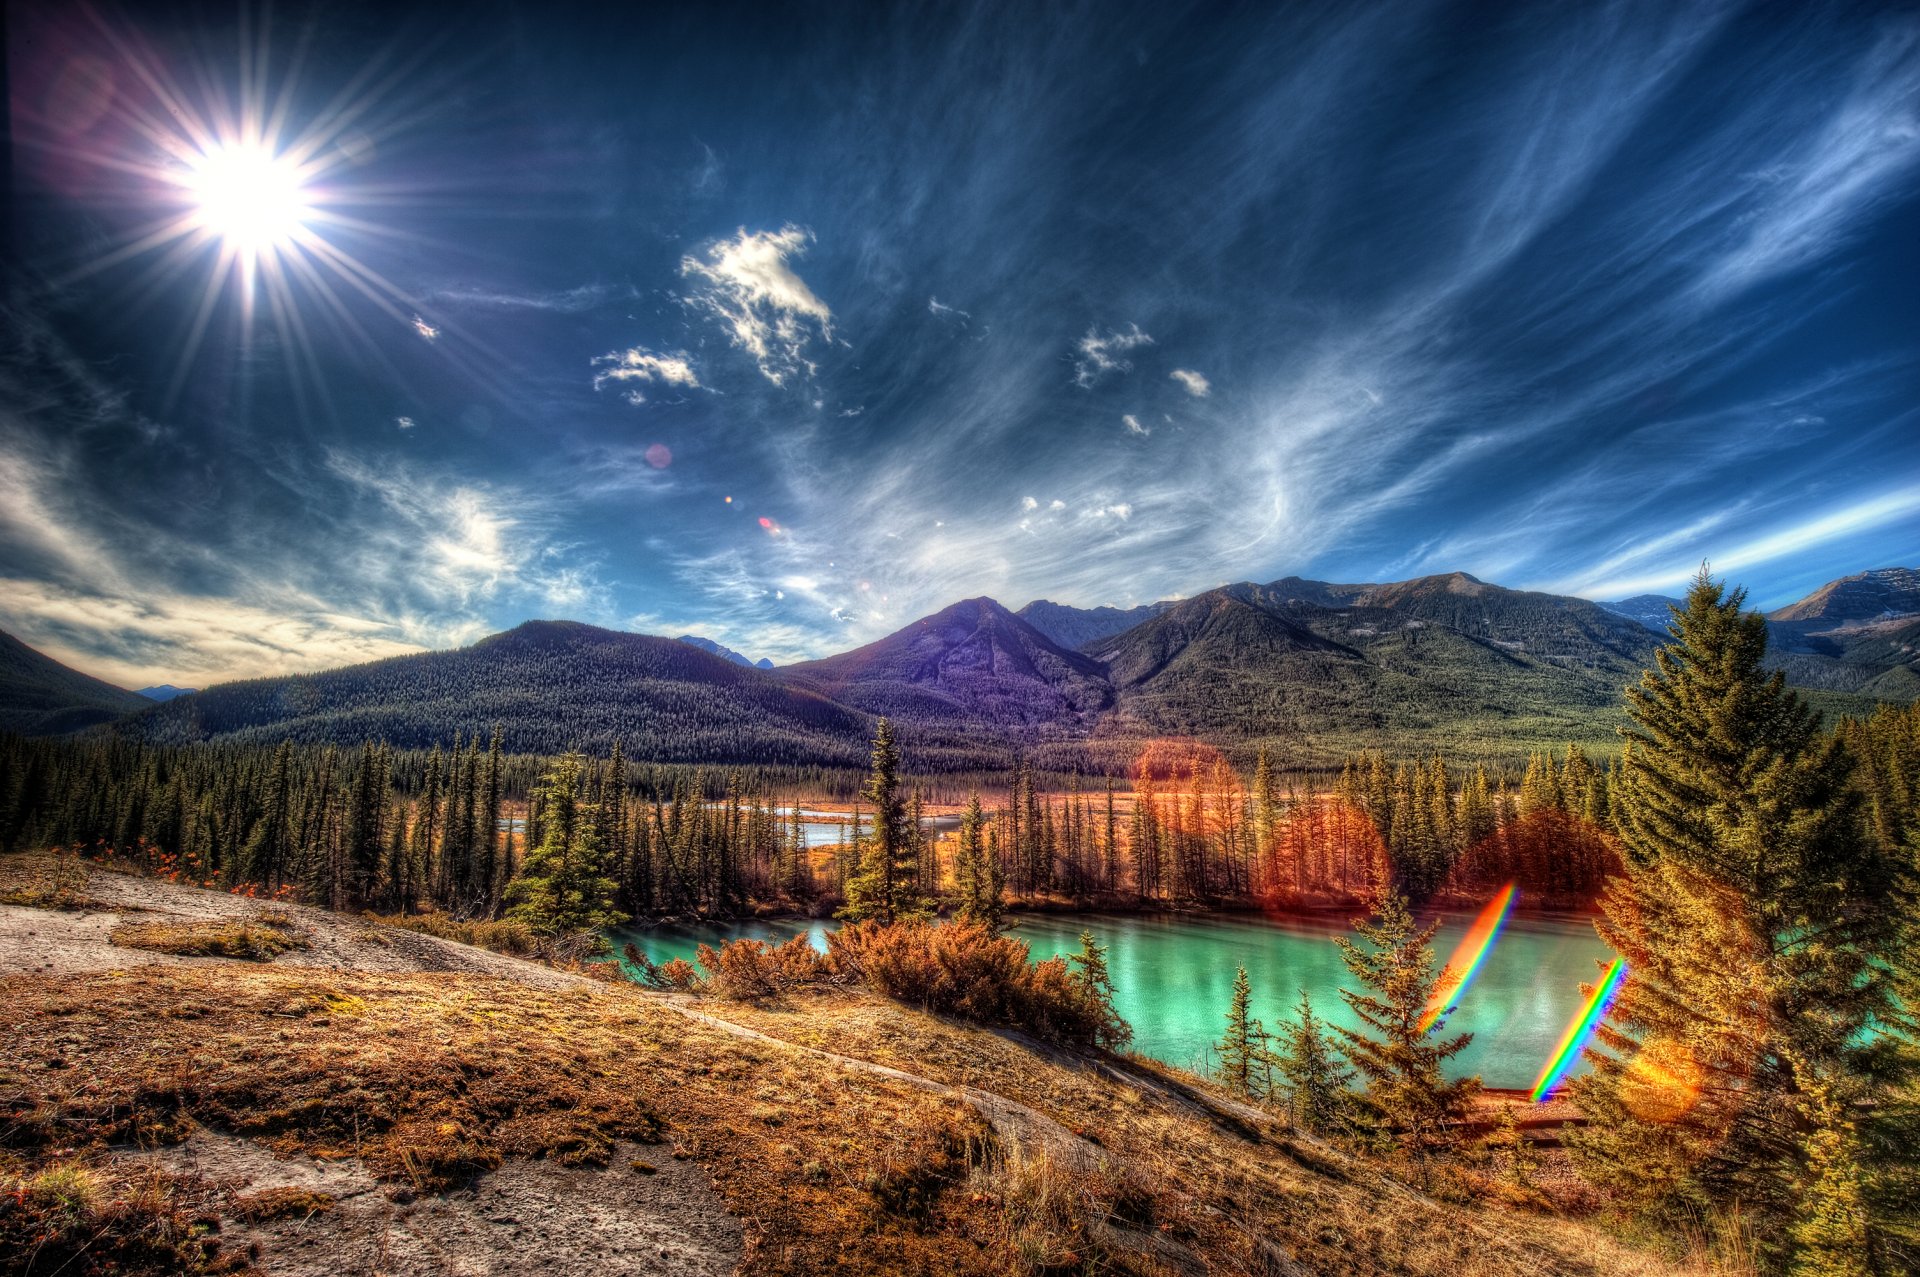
[
  {"x": 1319, "y": 1085},
  {"x": 564, "y": 887},
  {"x": 1096, "y": 988},
  {"x": 1400, "y": 1060},
  {"x": 977, "y": 872},
  {"x": 1753, "y": 918},
  {"x": 883, "y": 887},
  {"x": 1243, "y": 1050}
]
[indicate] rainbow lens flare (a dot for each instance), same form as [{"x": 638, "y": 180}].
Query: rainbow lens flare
[
  {"x": 1467, "y": 957},
  {"x": 1579, "y": 1031}
]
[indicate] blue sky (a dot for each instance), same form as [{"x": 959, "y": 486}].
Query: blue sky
[{"x": 789, "y": 326}]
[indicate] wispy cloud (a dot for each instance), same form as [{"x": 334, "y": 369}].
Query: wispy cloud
[
  {"x": 1098, "y": 353},
  {"x": 748, "y": 283}
]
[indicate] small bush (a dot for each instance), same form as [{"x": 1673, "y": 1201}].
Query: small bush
[
  {"x": 963, "y": 969},
  {"x": 918, "y": 1163},
  {"x": 753, "y": 971},
  {"x": 251, "y": 939},
  {"x": 676, "y": 976}
]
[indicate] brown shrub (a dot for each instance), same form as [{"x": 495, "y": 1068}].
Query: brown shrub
[
  {"x": 753, "y": 971},
  {"x": 502, "y": 936},
  {"x": 917, "y": 1164},
  {"x": 963, "y": 969}
]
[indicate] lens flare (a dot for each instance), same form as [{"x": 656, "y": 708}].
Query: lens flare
[
  {"x": 1467, "y": 957},
  {"x": 1575, "y": 1038}
]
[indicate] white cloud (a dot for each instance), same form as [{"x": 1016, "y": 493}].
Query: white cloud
[
  {"x": 1101, "y": 354},
  {"x": 425, "y": 329},
  {"x": 1134, "y": 426},
  {"x": 1029, "y": 503},
  {"x": 405, "y": 423},
  {"x": 936, "y": 307},
  {"x": 748, "y": 284},
  {"x": 637, "y": 363},
  {"x": 1056, "y": 504},
  {"x": 1192, "y": 382}
]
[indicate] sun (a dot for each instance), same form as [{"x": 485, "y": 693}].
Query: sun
[{"x": 252, "y": 199}]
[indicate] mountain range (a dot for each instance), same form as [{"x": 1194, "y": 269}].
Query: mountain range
[
  {"x": 1310, "y": 669},
  {"x": 1857, "y": 636}
]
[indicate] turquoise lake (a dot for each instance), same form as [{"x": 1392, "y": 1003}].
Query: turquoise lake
[{"x": 1173, "y": 976}]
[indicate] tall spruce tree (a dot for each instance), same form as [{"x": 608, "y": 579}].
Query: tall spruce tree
[
  {"x": 881, "y": 889},
  {"x": 1407, "y": 1096},
  {"x": 1753, "y": 917},
  {"x": 564, "y": 887},
  {"x": 977, "y": 872}
]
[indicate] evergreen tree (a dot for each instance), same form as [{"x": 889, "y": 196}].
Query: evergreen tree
[
  {"x": 1400, "y": 1060},
  {"x": 1753, "y": 918},
  {"x": 977, "y": 872},
  {"x": 1096, "y": 988},
  {"x": 563, "y": 887},
  {"x": 1243, "y": 1051},
  {"x": 882, "y": 889},
  {"x": 1319, "y": 1084}
]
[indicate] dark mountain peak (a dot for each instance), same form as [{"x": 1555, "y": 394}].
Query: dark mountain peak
[
  {"x": 1883, "y": 594},
  {"x": 165, "y": 692},
  {"x": 973, "y": 659},
  {"x": 549, "y": 685}
]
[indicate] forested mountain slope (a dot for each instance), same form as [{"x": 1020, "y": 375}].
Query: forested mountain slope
[
  {"x": 41, "y": 697},
  {"x": 550, "y": 686}
]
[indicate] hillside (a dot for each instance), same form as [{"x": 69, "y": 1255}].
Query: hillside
[
  {"x": 1318, "y": 669},
  {"x": 973, "y": 663},
  {"x": 550, "y": 686},
  {"x": 1310, "y": 669},
  {"x": 41, "y": 697},
  {"x": 1862, "y": 599},
  {"x": 1859, "y": 635},
  {"x": 373, "y": 1100}
]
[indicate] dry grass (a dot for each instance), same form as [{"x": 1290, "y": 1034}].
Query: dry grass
[
  {"x": 259, "y": 939},
  {"x": 54, "y": 880},
  {"x": 70, "y": 1216},
  {"x": 501, "y": 935},
  {"x": 1200, "y": 1175},
  {"x": 429, "y": 1079}
]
